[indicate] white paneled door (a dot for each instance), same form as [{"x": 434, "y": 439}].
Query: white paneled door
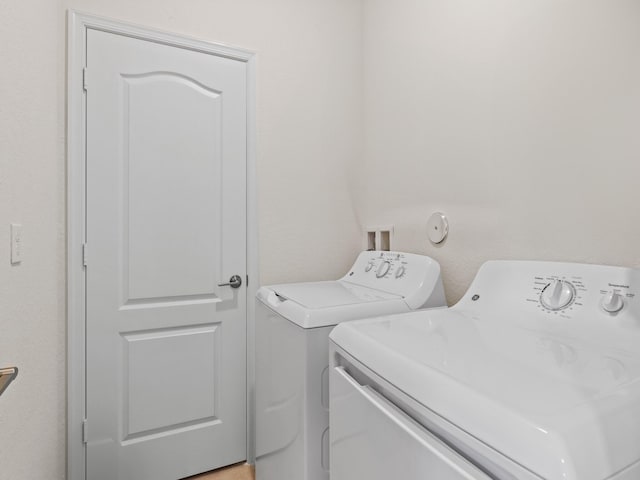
[{"x": 166, "y": 224}]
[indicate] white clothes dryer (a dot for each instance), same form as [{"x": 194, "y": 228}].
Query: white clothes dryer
[
  {"x": 293, "y": 322},
  {"x": 534, "y": 374}
]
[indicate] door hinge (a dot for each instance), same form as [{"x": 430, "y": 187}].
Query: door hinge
[
  {"x": 247, "y": 281},
  {"x": 84, "y": 431},
  {"x": 85, "y": 80},
  {"x": 84, "y": 254}
]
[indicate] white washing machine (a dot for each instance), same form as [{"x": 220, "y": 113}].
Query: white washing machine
[
  {"x": 293, "y": 323},
  {"x": 534, "y": 374}
]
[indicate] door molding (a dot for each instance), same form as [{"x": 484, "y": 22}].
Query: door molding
[{"x": 77, "y": 26}]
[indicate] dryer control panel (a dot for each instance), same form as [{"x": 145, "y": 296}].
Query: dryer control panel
[
  {"x": 412, "y": 276},
  {"x": 557, "y": 290},
  {"x": 565, "y": 294}
]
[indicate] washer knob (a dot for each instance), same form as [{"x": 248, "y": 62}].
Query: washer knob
[
  {"x": 557, "y": 295},
  {"x": 612, "y": 302},
  {"x": 400, "y": 271},
  {"x": 383, "y": 269},
  {"x": 368, "y": 267}
]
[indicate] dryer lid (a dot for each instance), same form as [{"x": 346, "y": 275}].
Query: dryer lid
[{"x": 563, "y": 407}]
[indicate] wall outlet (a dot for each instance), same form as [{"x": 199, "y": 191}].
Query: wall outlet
[{"x": 379, "y": 238}]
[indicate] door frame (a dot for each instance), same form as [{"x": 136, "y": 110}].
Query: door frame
[{"x": 77, "y": 25}]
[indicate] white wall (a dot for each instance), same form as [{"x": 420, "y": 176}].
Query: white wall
[
  {"x": 32, "y": 328},
  {"x": 518, "y": 120},
  {"x": 309, "y": 130}
]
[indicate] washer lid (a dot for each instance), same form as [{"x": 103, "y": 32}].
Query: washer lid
[
  {"x": 319, "y": 304},
  {"x": 337, "y": 293},
  {"x": 562, "y": 406}
]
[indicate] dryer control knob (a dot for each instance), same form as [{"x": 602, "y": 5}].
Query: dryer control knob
[
  {"x": 612, "y": 302},
  {"x": 401, "y": 271},
  {"x": 557, "y": 295},
  {"x": 383, "y": 269},
  {"x": 368, "y": 267}
]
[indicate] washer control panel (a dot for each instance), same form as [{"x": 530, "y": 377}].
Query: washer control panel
[
  {"x": 405, "y": 274},
  {"x": 388, "y": 264}
]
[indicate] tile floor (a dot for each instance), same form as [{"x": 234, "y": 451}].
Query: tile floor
[{"x": 241, "y": 471}]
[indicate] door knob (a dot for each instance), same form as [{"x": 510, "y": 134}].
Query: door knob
[{"x": 234, "y": 282}]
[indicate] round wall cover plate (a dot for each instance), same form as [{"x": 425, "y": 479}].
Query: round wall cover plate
[{"x": 437, "y": 227}]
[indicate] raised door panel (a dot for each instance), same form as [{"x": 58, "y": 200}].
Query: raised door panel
[
  {"x": 172, "y": 187},
  {"x": 171, "y": 380}
]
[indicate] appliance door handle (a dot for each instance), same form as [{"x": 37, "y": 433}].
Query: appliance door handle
[{"x": 458, "y": 465}]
